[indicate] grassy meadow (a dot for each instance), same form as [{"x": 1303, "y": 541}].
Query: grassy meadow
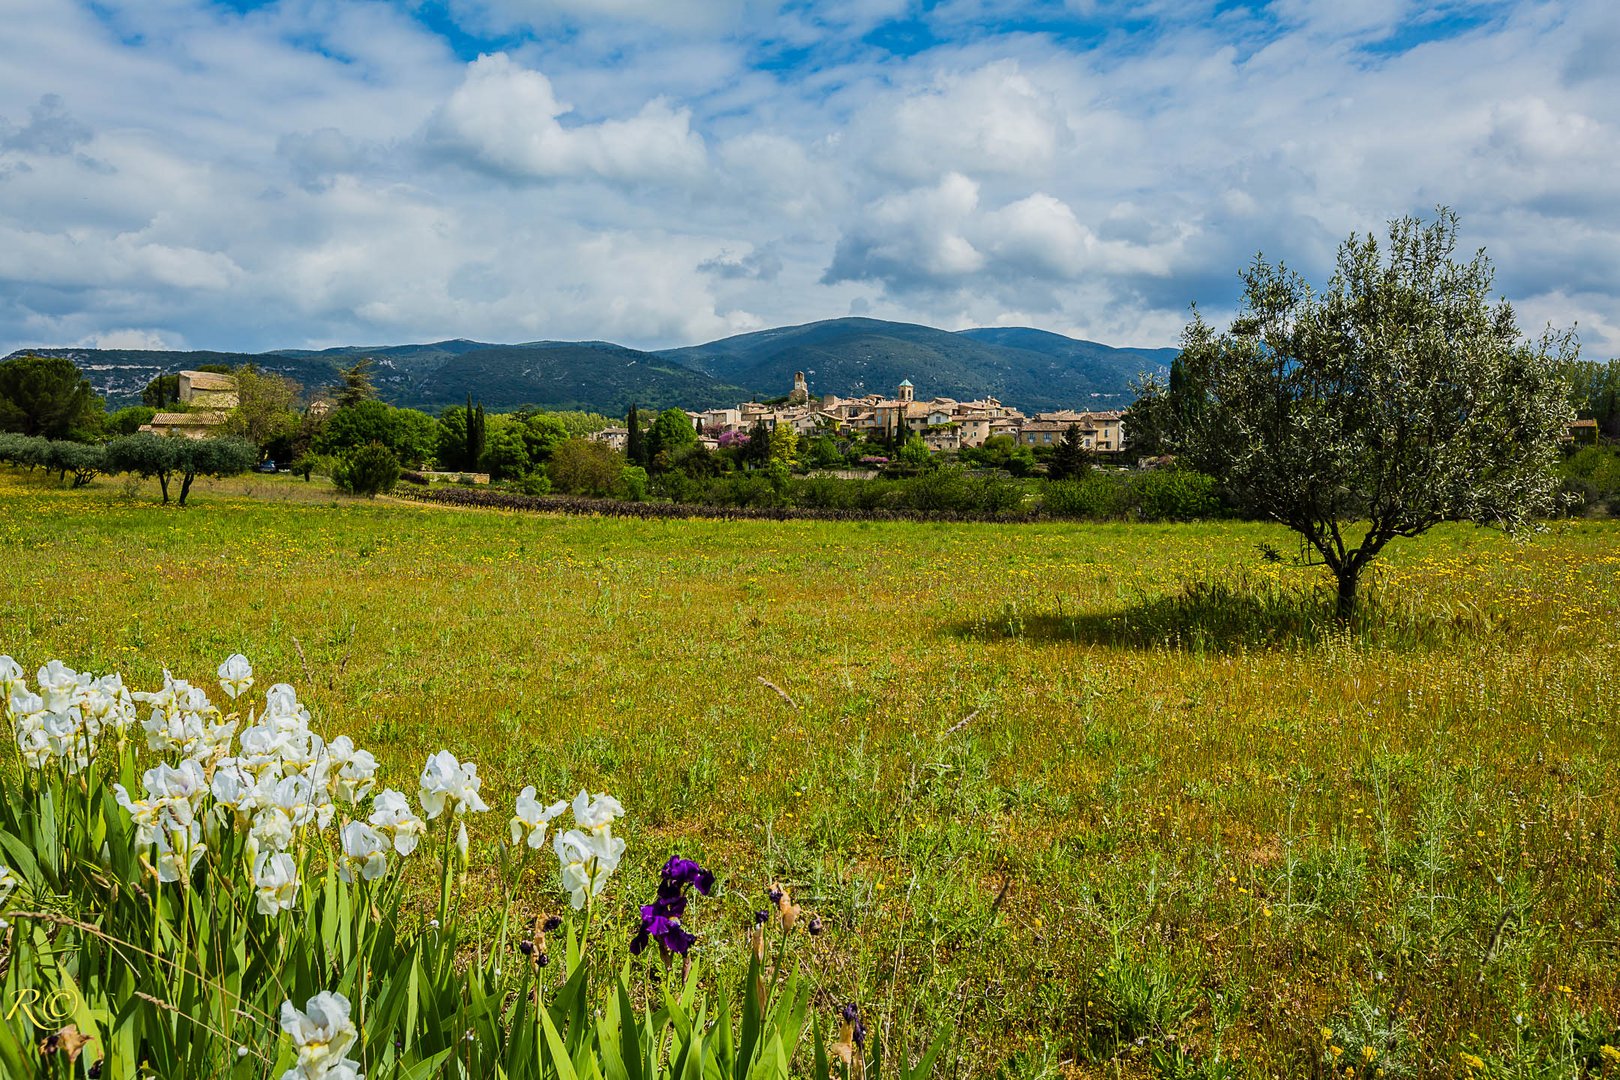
[{"x": 1113, "y": 800}]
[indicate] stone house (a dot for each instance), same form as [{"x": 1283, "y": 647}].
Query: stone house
[
  {"x": 615, "y": 437},
  {"x": 209, "y": 396}
]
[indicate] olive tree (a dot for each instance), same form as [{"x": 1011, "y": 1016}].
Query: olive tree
[
  {"x": 165, "y": 457},
  {"x": 1398, "y": 398},
  {"x": 145, "y": 455},
  {"x": 229, "y": 456}
]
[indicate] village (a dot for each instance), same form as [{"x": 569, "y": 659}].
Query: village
[{"x": 943, "y": 424}]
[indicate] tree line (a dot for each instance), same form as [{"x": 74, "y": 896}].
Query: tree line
[{"x": 144, "y": 455}]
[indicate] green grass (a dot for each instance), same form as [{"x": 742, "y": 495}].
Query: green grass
[{"x": 1188, "y": 827}]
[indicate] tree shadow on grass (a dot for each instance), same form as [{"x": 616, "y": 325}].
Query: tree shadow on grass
[{"x": 1228, "y": 616}]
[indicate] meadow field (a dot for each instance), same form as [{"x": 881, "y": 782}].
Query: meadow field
[{"x": 1110, "y": 800}]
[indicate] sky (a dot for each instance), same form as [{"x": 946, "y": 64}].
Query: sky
[{"x": 251, "y": 175}]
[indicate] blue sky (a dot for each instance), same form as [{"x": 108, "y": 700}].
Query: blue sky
[{"x": 250, "y": 175}]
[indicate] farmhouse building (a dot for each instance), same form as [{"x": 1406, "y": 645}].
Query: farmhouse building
[{"x": 209, "y": 397}]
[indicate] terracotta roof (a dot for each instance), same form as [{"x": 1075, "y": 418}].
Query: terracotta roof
[
  {"x": 1071, "y": 416},
  {"x": 187, "y": 419}
]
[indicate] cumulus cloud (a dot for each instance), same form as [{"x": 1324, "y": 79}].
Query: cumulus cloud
[
  {"x": 990, "y": 120},
  {"x": 941, "y": 239},
  {"x": 132, "y": 339},
  {"x": 913, "y": 239},
  {"x": 505, "y": 118}
]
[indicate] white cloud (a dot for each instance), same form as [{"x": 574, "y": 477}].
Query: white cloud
[
  {"x": 914, "y": 239},
  {"x": 132, "y": 339},
  {"x": 990, "y": 120},
  {"x": 506, "y": 118}
]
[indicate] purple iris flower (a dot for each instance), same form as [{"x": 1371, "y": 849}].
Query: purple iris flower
[
  {"x": 687, "y": 872},
  {"x": 661, "y": 919}
]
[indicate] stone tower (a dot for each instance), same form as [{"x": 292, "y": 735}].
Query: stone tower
[
  {"x": 801, "y": 389},
  {"x": 905, "y": 390}
]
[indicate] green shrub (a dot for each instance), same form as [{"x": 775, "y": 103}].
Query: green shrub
[
  {"x": 128, "y": 421},
  {"x": 1592, "y": 479},
  {"x": 632, "y": 483},
  {"x": 741, "y": 489},
  {"x": 308, "y": 464},
  {"x": 371, "y": 470},
  {"x": 954, "y": 490},
  {"x": 1098, "y": 497},
  {"x": 1174, "y": 494}
]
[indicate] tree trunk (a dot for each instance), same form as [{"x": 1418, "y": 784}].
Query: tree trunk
[
  {"x": 185, "y": 487},
  {"x": 163, "y": 482},
  {"x": 1349, "y": 578}
]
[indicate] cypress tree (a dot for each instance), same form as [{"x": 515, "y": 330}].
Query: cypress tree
[{"x": 635, "y": 447}]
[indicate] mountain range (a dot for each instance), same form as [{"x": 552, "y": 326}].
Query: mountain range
[{"x": 1023, "y": 367}]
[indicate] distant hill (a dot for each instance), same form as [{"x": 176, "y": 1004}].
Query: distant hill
[
  {"x": 1032, "y": 369},
  {"x": 595, "y": 376},
  {"x": 1026, "y": 368}
]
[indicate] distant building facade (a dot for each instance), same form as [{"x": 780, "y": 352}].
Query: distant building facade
[
  {"x": 209, "y": 397},
  {"x": 942, "y": 423}
]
